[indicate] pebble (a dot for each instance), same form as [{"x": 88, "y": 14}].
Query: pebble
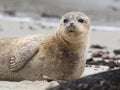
[
  {"x": 116, "y": 52},
  {"x": 97, "y": 47},
  {"x": 109, "y": 56},
  {"x": 99, "y": 54}
]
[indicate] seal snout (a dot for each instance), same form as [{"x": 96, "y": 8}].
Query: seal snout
[{"x": 71, "y": 27}]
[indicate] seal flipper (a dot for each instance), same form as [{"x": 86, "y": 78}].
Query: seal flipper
[{"x": 23, "y": 56}]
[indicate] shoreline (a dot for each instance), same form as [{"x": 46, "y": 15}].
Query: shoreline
[
  {"x": 53, "y": 22},
  {"x": 18, "y": 26}
]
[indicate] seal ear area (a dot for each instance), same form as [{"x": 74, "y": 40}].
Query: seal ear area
[{"x": 87, "y": 24}]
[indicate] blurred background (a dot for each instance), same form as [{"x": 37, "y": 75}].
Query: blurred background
[{"x": 101, "y": 12}]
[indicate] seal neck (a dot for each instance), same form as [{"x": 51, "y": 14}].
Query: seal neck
[{"x": 82, "y": 43}]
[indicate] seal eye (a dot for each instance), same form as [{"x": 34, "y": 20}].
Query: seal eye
[
  {"x": 80, "y": 20},
  {"x": 65, "y": 20}
]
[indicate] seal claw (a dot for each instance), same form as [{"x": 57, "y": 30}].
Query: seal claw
[{"x": 12, "y": 65}]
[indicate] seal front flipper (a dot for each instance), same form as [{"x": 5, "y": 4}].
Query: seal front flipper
[{"x": 23, "y": 56}]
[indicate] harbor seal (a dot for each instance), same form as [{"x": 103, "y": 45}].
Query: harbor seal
[{"x": 60, "y": 55}]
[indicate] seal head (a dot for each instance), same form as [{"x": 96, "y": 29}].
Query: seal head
[{"x": 73, "y": 25}]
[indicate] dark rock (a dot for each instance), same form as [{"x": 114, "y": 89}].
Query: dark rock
[
  {"x": 50, "y": 15},
  {"x": 112, "y": 57},
  {"x": 109, "y": 80},
  {"x": 9, "y": 12},
  {"x": 98, "y": 54},
  {"x": 111, "y": 64},
  {"x": 117, "y": 52},
  {"x": 97, "y": 47},
  {"x": 91, "y": 61}
]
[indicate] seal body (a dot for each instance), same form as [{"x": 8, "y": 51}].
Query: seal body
[{"x": 59, "y": 56}]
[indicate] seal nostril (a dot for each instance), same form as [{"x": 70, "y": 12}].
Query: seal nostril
[{"x": 71, "y": 24}]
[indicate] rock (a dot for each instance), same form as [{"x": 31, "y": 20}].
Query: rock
[
  {"x": 110, "y": 61},
  {"x": 50, "y": 15},
  {"x": 98, "y": 54},
  {"x": 97, "y": 47},
  {"x": 117, "y": 52},
  {"x": 108, "y": 56},
  {"x": 111, "y": 64},
  {"x": 109, "y": 80},
  {"x": 9, "y": 12},
  {"x": 91, "y": 61}
]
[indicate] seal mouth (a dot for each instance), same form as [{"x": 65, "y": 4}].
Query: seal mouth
[
  {"x": 71, "y": 28},
  {"x": 71, "y": 31}
]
